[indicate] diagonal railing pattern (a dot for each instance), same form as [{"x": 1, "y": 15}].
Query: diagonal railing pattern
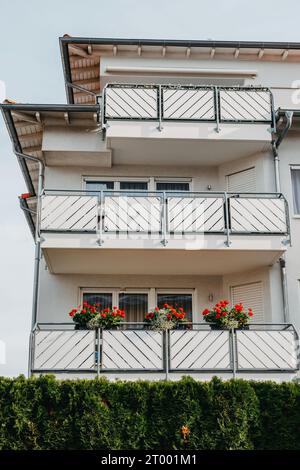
[
  {"x": 132, "y": 350},
  {"x": 258, "y": 215},
  {"x": 160, "y": 213},
  {"x": 194, "y": 349},
  {"x": 187, "y": 103}
]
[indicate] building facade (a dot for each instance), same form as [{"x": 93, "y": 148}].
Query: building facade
[{"x": 171, "y": 175}]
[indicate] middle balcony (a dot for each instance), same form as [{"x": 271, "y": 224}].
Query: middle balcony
[{"x": 160, "y": 232}]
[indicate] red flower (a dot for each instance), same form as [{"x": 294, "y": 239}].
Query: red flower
[
  {"x": 169, "y": 317},
  {"x": 103, "y": 315},
  {"x": 239, "y": 307},
  {"x": 166, "y": 305},
  {"x": 83, "y": 310},
  {"x": 218, "y": 310},
  {"x": 218, "y": 315},
  {"x": 224, "y": 314},
  {"x": 71, "y": 313},
  {"x": 206, "y": 312},
  {"x": 156, "y": 309}
]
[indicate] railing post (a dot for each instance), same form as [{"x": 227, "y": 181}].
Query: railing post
[
  {"x": 100, "y": 217},
  {"x": 217, "y": 108},
  {"x": 227, "y": 221},
  {"x": 159, "y": 108},
  {"x": 233, "y": 351},
  {"x": 99, "y": 339},
  {"x": 164, "y": 220},
  {"x": 166, "y": 333}
]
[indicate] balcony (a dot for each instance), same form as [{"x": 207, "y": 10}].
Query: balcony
[
  {"x": 128, "y": 232},
  {"x": 197, "y": 351},
  {"x": 170, "y": 121}
]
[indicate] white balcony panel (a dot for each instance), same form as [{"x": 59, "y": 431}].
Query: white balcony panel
[
  {"x": 245, "y": 105},
  {"x": 132, "y": 350},
  {"x": 258, "y": 215},
  {"x": 195, "y": 214},
  {"x": 65, "y": 212},
  {"x": 131, "y": 102},
  {"x": 263, "y": 350},
  {"x": 189, "y": 104},
  {"x": 132, "y": 214},
  {"x": 64, "y": 350},
  {"x": 195, "y": 350}
]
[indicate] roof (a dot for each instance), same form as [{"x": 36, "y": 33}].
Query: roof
[
  {"x": 25, "y": 127},
  {"x": 81, "y": 56}
]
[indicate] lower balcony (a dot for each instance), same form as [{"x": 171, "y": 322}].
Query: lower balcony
[
  {"x": 128, "y": 232},
  {"x": 264, "y": 351}
]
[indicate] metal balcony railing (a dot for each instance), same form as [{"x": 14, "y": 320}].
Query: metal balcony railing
[
  {"x": 133, "y": 348},
  {"x": 163, "y": 214},
  {"x": 187, "y": 103}
]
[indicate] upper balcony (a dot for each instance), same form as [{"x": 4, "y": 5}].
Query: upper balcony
[
  {"x": 170, "y": 121},
  {"x": 130, "y": 232}
]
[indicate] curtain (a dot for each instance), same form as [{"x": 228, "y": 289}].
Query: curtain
[
  {"x": 104, "y": 299},
  {"x": 172, "y": 186},
  {"x": 135, "y": 306},
  {"x": 177, "y": 300},
  {"x": 134, "y": 185},
  {"x": 296, "y": 189}
]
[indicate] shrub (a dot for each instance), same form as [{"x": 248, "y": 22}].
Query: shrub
[{"x": 45, "y": 413}]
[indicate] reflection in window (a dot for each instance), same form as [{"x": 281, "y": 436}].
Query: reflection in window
[
  {"x": 104, "y": 299},
  {"x": 184, "y": 301}
]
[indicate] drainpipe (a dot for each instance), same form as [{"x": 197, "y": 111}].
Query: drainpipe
[
  {"x": 37, "y": 256},
  {"x": 282, "y": 261}
]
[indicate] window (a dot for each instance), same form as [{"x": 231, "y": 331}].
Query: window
[
  {"x": 94, "y": 184},
  {"x": 99, "y": 185},
  {"x": 295, "y": 172},
  {"x": 134, "y": 304},
  {"x": 183, "y": 300},
  {"x": 251, "y": 296},
  {"x": 134, "y": 185},
  {"x": 172, "y": 186},
  {"x": 104, "y": 299}
]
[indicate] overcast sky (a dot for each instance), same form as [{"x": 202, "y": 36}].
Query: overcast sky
[{"x": 30, "y": 66}]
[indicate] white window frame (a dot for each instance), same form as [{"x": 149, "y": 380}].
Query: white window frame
[
  {"x": 115, "y": 179},
  {"x": 294, "y": 167}
]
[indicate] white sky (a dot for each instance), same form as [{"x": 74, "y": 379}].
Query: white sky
[{"x": 31, "y": 68}]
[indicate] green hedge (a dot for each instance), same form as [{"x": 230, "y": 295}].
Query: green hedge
[{"x": 44, "y": 413}]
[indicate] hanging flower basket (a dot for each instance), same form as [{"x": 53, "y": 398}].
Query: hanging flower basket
[
  {"x": 166, "y": 318},
  {"x": 222, "y": 316}
]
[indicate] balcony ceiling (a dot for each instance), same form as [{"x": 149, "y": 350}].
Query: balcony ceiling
[{"x": 154, "y": 262}]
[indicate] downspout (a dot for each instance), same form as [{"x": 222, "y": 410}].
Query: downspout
[
  {"x": 282, "y": 261},
  {"x": 37, "y": 256}
]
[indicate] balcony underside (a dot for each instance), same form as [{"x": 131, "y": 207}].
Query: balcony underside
[
  {"x": 161, "y": 260},
  {"x": 183, "y": 143}
]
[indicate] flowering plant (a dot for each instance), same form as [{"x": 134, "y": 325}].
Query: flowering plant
[
  {"x": 225, "y": 317},
  {"x": 91, "y": 316},
  {"x": 107, "y": 318},
  {"x": 165, "y": 318},
  {"x": 82, "y": 314}
]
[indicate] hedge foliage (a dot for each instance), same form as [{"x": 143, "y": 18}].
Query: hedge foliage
[{"x": 45, "y": 413}]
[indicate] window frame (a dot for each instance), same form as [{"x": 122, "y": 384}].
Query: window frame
[
  {"x": 294, "y": 167},
  {"x": 115, "y": 179}
]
